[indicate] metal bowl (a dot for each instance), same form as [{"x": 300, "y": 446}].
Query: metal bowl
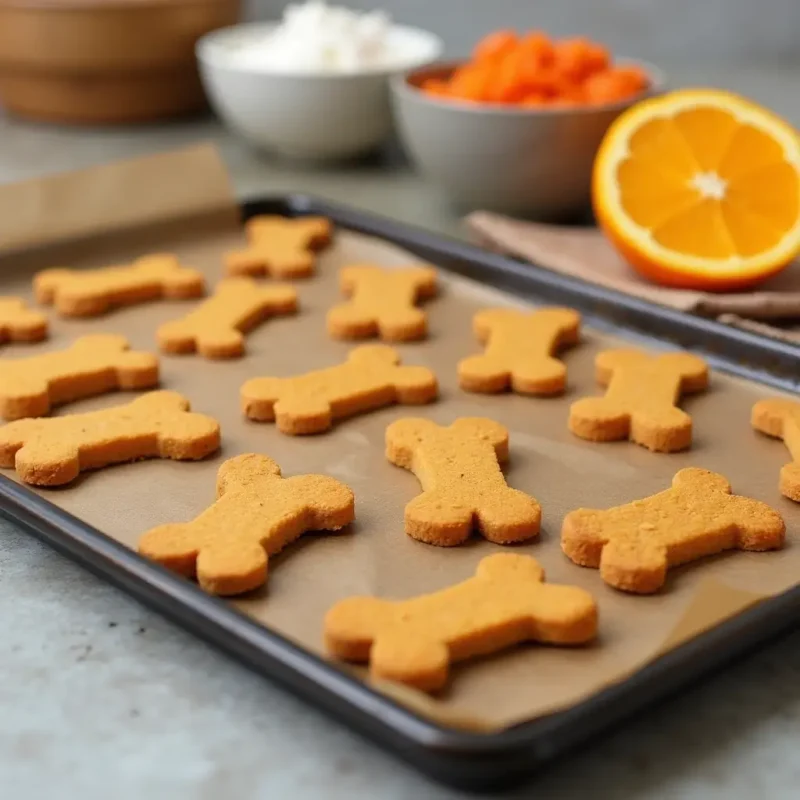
[{"x": 525, "y": 161}]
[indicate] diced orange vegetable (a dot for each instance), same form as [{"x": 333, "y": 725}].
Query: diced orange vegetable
[
  {"x": 616, "y": 83},
  {"x": 436, "y": 87},
  {"x": 545, "y": 81},
  {"x": 535, "y": 100},
  {"x": 597, "y": 58},
  {"x": 538, "y": 47},
  {"x": 531, "y": 70},
  {"x": 495, "y": 46},
  {"x": 573, "y": 58},
  {"x": 471, "y": 83},
  {"x": 634, "y": 77},
  {"x": 508, "y": 85}
]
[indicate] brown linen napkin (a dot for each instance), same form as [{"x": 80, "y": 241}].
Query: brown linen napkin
[{"x": 585, "y": 253}]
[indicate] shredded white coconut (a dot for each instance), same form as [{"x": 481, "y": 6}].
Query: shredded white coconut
[{"x": 316, "y": 37}]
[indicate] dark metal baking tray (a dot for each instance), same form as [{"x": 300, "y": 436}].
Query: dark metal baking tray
[{"x": 479, "y": 762}]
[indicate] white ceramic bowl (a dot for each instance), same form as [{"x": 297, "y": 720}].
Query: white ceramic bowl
[
  {"x": 315, "y": 116},
  {"x": 526, "y": 161}
]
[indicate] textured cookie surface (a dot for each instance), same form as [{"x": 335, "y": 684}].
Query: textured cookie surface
[
  {"x": 280, "y": 247},
  {"x": 256, "y": 515},
  {"x": 215, "y": 329},
  {"x": 18, "y": 323},
  {"x": 87, "y": 293},
  {"x": 463, "y": 487},
  {"x": 519, "y": 351},
  {"x": 55, "y": 450},
  {"x": 415, "y": 641},
  {"x": 92, "y": 365},
  {"x": 382, "y": 303},
  {"x": 372, "y": 377},
  {"x": 634, "y": 544},
  {"x": 781, "y": 418},
  {"x": 640, "y": 402}
]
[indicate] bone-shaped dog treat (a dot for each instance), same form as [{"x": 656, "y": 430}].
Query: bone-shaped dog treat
[
  {"x": 519, "y": 351},
  {"x": 87, "y": 293},
  {"x": 463, "y": 487},
  {"x": 640, "y": 402},
  {"x": 370, "y": 378},
  {"x": 382, "y": 303},
  {"x": 415, "y": 641},
  {"x": 215, "y": 329},
  {"x": 55, "y": 450},
  {"x": 256, "y": 515},
  {"x": 280, "y": 247},
  {"x": 633, "y": 545},
  {"x": 781, "y": 418},
  {"x": 95, "y": 364},
  {"x": 18, "y": 323}
]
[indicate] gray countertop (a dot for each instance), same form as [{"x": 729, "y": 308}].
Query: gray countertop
[{"x": 102, "y": 699}]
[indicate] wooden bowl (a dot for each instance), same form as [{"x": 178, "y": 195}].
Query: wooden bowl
[{"x": 104, "y": 61}]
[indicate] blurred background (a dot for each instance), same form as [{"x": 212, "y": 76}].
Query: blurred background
[{"x": 661, "y": 31}]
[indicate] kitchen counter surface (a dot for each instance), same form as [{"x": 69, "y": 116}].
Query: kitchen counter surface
[{"x": 102, "y": 699}]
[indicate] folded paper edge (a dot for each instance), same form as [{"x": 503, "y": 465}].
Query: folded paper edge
[{"x": 116, "y": 196}]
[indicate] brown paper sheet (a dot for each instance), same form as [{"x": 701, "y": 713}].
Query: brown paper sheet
[
  {"x": 125, "y": 195},
  {"x": 772, "y": 310},
  {"x": 375, "y": 556}
]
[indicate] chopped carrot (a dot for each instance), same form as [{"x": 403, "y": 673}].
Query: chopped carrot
[
  {"x": 531, "y": 70},
  {"x": 471, "y": 83},
  {"x": 572, "y": 94},
  {"x": 635, "y": 77},
  {"x": 614, "y": 84},
  {"x": 495, "y": 46},
  {"x": 534, "y": 100},
  {"x": 597, "y": 58},
  {"x": 508, "y": 85},
  {"x": 538, "y": 47},
  {"x": 572, "y": 58},
  {"x": 545, "y": 81},
  {"x": 436, "y": 87}
]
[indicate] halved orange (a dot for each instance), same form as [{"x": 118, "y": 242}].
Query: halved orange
[{"x": 700, "y": 189}]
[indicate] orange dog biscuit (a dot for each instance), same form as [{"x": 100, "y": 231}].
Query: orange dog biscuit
[
  {"x": 256, "y": 515},
  {"x": 215, "y": 329},
  {"x": 87, "y": 293},
  {"x": 280, "y": 247},
  {"x": 95, "y": 364},
  {"x": 781, "y": 419},
  {"x": 463, "y": 487},
  {"x": 633, "y": 545},
  {"x": 382, "y": 303},
  {"x": 415, "y": 641},
  {"x": 53, "y": 451},
  {"x": 18, "y": 323},
  {"x": 640, "y": 401},
  {"x": 370, "y": 378},
  {"x": 519, "y": 351}
]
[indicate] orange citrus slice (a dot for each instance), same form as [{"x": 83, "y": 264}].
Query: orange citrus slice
[{"x": 700, "y": 189}]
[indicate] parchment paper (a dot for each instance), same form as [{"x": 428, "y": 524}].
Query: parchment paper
[{"x": 375, "y": 556}]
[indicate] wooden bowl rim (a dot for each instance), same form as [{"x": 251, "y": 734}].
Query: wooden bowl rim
[{"x": 105, "y": 5}]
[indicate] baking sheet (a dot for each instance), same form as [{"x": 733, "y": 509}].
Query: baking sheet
[{"x": 374, "y": 556}]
